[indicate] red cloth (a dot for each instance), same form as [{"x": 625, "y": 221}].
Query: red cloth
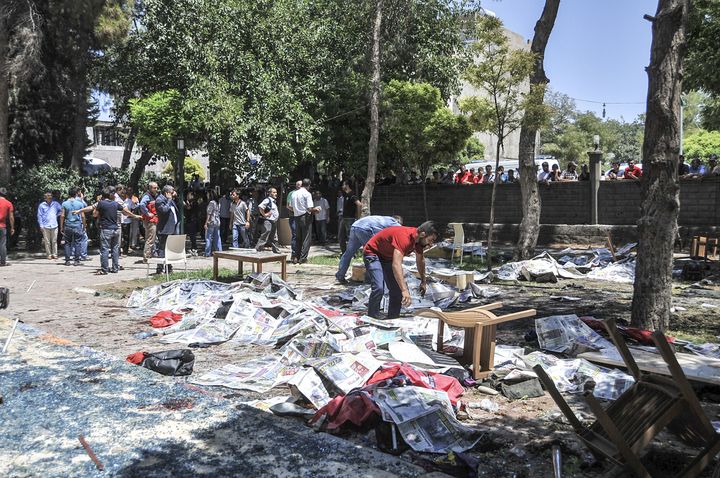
[
  {"x": 639, "y": 335},
  {"x": 6, "y": 208},
  {"x": 477, "y": 179},
  {"x": 355, "y": 408},
  {"x": 151, "y": 208},
  {"x": 384, "y": 243},
  {"x": 467, "y": 178},
  {"x": 165, "y": 318},
  {"x": 136, "y": 358},
  {"x": 420, "y": 378}
]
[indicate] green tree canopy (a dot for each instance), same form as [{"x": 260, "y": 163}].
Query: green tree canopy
[
  {"x": 702, "y": 144},
  {"x": 192, "y": 166}
]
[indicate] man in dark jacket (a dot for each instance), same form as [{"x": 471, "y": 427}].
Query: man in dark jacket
[{"x": 167, "y": 212}]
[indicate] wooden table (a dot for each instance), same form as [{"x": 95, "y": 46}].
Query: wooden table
[{"x": 257, "y": 258}]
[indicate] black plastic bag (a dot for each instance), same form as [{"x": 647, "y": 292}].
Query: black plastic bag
[{"x": 170, "y": 362}]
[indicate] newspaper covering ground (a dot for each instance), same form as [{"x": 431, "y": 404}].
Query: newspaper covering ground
[
  {"x": 347, "y": 371},
  {"x": 308, "y": 384},
  {"x": 568, "y": 334}
]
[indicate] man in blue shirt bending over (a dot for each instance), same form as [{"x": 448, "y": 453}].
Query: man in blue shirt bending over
[{"x": 361, "y": 232}]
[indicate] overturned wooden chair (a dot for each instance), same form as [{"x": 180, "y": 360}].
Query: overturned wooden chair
[
  {"x": 480, "y": 326},
  {"x": 628, "y": 425}
]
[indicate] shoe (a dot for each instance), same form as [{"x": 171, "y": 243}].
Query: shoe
[
  {"x": 121, "y": 268},
  {"x": 86, "y": 258},
  {"x": 259, "y": 249},
  {"x": 294, "y": 260},
  {"x": 50, "y": 258},
  {"x": 276, "y": 250},
  {"x": 4, "y": 265},
  {"x": 144, "y": 261},
  {"x": 302, "y": 261},
  {"x": 113, "y": 271},
  {"x": 101, "y": 273},
  {"x": 76, "y": 263},
  {"x": 67, "y": 263},
  {"x": 341, "y": 280}
]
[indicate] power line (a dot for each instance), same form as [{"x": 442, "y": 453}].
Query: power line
[{"x": 608, "y": 102}]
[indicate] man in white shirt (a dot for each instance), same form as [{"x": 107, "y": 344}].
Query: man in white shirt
[
  {"x": 544, "y": 175},
  {"x": 303, "y": 209},
  {"x": 268, "y": 211},
  {"x": 321, "y": 217}
]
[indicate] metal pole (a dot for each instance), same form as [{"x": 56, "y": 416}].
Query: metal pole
[
  {"x": 682, "y": 120},
  {"x": 595, "y": 158},
  {"x": 181, "y": 190}
]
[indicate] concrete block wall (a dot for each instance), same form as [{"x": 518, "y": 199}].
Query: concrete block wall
[{"x": 562, "y": 203}]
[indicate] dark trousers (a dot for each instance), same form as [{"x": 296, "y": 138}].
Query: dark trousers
[
  {"x": 381, "y": 275},
  {"x": 191, "y": 229},
  {"x": 224, "y": 229},
  {"x": 344, "y": 232},
  {"x": 293, "y": 237},
  {"x": 162, "y": 239},
  {"x": 125, "y": 237},
  {"x": 303, "y": 227},
  {"x": 3, "y": 245},
  {"x": 73, "y": 242}
]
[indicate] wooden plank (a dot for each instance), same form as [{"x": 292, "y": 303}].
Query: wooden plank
[{"x": 695, "y": 367}]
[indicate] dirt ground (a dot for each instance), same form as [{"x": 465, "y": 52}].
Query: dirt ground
[{"x": 73, "y": 304}]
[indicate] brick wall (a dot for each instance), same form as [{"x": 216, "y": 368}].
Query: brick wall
[{"x": 562, "y": 203}]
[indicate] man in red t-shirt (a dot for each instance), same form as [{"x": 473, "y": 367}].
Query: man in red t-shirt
[
  {"x": 383, "y": 255},
  {"x": 6, "y": 217},
  {"x": 632, "y": 171}
]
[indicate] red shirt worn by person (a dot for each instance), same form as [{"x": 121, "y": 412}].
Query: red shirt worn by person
[
  {"x": 477, "y": 179},
  {"x": 466, "y": 178},
  {"x": 6, "y": 208},
  {"x": 635, "y": 171},
  {"x": 384, "y": 243}
]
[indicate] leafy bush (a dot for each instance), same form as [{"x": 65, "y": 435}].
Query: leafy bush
[
  {"x": 192, "y": 166},
  {"x": 702, "y": 144}
]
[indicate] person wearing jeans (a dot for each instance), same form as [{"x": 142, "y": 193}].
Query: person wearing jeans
[
  {"x": 72, "y": 227},
  {"x": 240, "y": 217},
  {"x": 6, "y": 217},
  {"x": 107, "y": 210},
  {"x": 360, "y": 233},
  {"x": 212, "y": 226},
  {"x": 147, "y": 209},
  {"x": 269, "y": 214},
  {"x": 383, "y": 257}
]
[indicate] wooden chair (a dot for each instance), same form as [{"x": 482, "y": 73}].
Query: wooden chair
[
  {"x": 480, "y": 327},
  {"x": 703, "y": 247},
  {"x": 654, "y": 402}
]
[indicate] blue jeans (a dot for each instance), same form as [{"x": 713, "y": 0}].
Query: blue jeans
[
  {"x": 212, "y": 240},
  {"x": 358, "y": 238},
  {"x": 109, "y": 243},
  {"x": 381, "y": 275},
  {"x": 84, "y": 244},
  {"x": 239, "y": 231},
  {"x": 73, "y": 242}
]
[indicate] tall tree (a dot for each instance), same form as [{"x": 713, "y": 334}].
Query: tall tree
[
  {"x": 20, "y": 38},
  {"x": 530, "y": 224},
  {"x": 501, "y": 72},
  {"x": 419, "y": 129},
  {"x": 374, "y": 113},
  {"x": 657, "y": 227}
]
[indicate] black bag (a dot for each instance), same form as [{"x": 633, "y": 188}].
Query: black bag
[{"x": 170, "y": 362}]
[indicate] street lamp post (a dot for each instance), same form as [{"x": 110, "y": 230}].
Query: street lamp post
[{"x": 181, "y": 183}]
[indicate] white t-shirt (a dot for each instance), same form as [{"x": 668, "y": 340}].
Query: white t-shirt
[
  {"x": 301, "y": 201},
  {"x": 324, "y": 209}
]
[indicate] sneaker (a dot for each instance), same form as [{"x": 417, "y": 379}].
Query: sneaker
[
  {"x": 86, "y": 258},
  {"x": 67, "y": 263},
  {"x": 113, "y": 271},
  {"x": 76, "y": 263},
  {"x": 302, "y": 261},
  {"x": 294, "y": 260},
  {"x": 275, "y": 250}
]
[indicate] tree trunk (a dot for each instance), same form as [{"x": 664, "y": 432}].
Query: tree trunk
[
  {"x": 80, "y": 138},
  {"x": 129, "y": 145},
  {"x": 139, "y": 169},
  {"x": 374, "y": 114},
  {"x": 492, "y": 203},
  {"x": 657, "y": 227},
  {"x": 4, "y": 100},
  {"x": 530, "y": 224}
]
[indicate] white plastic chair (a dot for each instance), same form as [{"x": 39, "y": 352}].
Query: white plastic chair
[
  {"x": 174, "y": 254},
  {"x": 459, "y": 240}
]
